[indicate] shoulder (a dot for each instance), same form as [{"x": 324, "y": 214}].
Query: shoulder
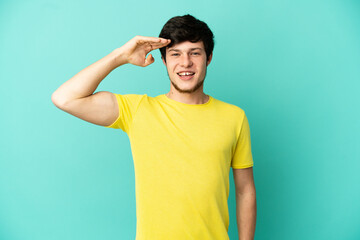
[{"x": 229, "y": 108}]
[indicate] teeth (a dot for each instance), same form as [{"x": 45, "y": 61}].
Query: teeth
[{"x": 185, "y": 74}]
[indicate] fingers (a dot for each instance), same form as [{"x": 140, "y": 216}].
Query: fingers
[
  {"x": 155, "y": 42},
  {"x": 160, "y": 45},
  {"x": 149, "y": 60},
  {"x": 152, "y": 39}
]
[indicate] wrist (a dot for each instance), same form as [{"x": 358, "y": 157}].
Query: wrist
[{"x": 118, "y": 57}]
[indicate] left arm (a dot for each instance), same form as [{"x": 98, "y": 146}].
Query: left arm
[{"x": 245, "y": 202}]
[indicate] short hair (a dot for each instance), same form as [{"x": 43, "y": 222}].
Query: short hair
[{"x": 187, "y": 28}]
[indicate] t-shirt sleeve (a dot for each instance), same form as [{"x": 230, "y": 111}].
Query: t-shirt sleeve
[
  {"x": 128, "y": 105},
  {"x": 242, "y": 157}
]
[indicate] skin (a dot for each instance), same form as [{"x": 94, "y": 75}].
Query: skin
[
  {"x": 246, "y": 208},
  {"x": 187, "y": 56}
]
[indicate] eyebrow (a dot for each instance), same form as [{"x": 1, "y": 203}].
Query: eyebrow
[{"x": 191, "y": 49}]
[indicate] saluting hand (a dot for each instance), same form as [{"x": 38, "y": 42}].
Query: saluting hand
[{"x": 135, "y": 50}]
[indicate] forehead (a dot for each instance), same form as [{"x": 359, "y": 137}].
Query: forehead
[{"x": 186, "y": 46}]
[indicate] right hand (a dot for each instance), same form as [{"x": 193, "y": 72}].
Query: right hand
[{"x": 135, "y": 50}]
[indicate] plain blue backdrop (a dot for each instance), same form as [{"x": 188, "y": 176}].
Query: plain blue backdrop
[{"x": 293, "y": 66}]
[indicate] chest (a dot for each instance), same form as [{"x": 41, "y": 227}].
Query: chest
[{"x": 198, "y": 132}]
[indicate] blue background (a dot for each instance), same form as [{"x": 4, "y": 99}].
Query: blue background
[{"x": 293, "y": 66}]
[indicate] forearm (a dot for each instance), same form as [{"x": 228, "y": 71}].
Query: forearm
[
  {"x": 85, "y": 82},
  {"x": 246, "y": 215}
]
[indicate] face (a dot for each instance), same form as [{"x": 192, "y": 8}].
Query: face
[{"x": 186, "y": 66}]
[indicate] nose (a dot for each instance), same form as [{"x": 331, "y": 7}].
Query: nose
[{"x": 186, "y": 61}]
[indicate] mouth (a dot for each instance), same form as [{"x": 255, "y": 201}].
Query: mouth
[{"x": 186, "y": 75}]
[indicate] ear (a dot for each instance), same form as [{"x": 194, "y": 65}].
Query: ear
[{"x": 209, "y": 60}]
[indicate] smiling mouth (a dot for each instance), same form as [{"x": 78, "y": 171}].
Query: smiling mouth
[{"x": 186, "y": 76}]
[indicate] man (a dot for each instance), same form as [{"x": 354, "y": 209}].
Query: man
[{"x": 183, "y": 142}]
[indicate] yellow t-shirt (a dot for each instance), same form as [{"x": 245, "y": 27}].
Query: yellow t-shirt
[{"x": 182, "y": 155}]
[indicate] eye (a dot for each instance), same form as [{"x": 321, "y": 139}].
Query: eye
[
  {"x": 196, "y": 53},
  {"x": 175, "y": 54}
]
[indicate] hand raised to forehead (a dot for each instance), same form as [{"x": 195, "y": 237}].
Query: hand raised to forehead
[{"x": 135, "y": 50}]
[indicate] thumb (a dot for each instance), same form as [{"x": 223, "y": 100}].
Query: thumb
[{"x": 149, "y": 60}]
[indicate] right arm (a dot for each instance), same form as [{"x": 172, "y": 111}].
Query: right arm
[{"x": 76, "y": 96}]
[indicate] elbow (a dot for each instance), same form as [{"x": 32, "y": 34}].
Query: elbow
[{"x": 58, "y": 101}]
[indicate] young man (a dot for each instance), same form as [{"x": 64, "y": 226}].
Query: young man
[{"x": 183, "y": 142}]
